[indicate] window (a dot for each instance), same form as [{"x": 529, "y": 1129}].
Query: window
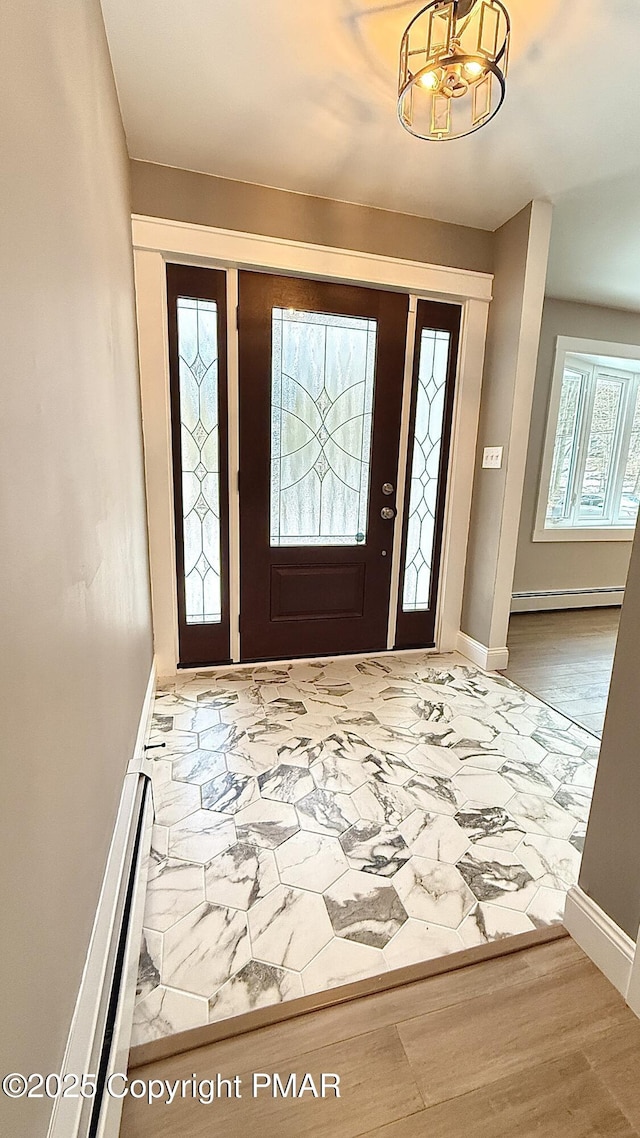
[
  {"x": 323, "y": 370},
  {"x": 425, "y": 467},
  {"x": 198, "y": 361},
  {"x": 590, "y": 485}
]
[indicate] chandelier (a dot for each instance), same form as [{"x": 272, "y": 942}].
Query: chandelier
[{"x": 453, "y": 63}]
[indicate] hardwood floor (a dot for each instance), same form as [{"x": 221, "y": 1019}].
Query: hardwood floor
[
  {"x": 565, "y": 658},
  {"x": 537, "y": 1043}
]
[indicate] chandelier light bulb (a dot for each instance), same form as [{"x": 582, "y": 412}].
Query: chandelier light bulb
[
  {"x": 473, "y": 70},
  {"x": 430, "y": 80}
]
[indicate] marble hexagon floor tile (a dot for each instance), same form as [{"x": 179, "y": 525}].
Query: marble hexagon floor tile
[
  {"x": 420, "y": 940},
  {"x": 255, "y": 985},
  {"x": 365, "y": 908},
  {"x": 174, "y": 888},
  {"x": 342, "y": 962},
  {"x": 203, "y": 949},
  {"x": 310, "y": 861},
  {"x": 489, "y": 922},
  {"x": 323, "y": 821},
  {"x": 288, "y": 927},
  {"x": 434, "y": 891},
  {"x": 165, "y": 1011},
  {"x": 374, "y": 848},
  {"x": 241, "y": 876}
]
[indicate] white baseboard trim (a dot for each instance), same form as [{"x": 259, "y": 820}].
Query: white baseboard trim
[
  {"x": 489, "y": 659},
  {"x": 550, "y": 599},
  {"x": 69, "y": 1118},
  {"x": 603, "y": 941}
]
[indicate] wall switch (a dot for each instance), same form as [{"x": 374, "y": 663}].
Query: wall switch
[{"x": 492, "y": 458}]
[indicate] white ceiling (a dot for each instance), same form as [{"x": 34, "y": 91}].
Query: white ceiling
[{"x": 300, "y": 94}]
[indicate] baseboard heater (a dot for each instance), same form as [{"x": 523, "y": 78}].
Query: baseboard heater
[
  {"x": 100, "y": 1033},
  {"x": 549, "y": 599}
]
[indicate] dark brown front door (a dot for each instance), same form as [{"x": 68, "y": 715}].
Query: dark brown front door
[{"x": 321, "y": 376}]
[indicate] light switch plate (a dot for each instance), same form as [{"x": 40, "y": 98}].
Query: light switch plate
[{"x": 492, "y": 458}]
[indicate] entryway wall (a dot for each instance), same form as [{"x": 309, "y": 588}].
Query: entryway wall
[
  {"x": 76, "y": 627},
  {"x": 521, "y": 255},
  {"x": 603, "y": 911},
  {"x": 202, "y": 199}
]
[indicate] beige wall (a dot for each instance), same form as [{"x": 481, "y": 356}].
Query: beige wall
[
  {"x": 542, "y": 565},
  {"x": 162, "y": 191},
  {"x": 521, "y": 252},
  {"x": 610, "y": 872},
  {"x": 76, "y": 639}
]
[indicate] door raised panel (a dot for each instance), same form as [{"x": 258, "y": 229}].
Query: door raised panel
[{"x": 333, "y": 590}]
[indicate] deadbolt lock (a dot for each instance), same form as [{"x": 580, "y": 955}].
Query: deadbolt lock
[{"x": 387, "y": 488}]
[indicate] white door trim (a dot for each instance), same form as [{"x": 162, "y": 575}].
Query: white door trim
[
  {"x": 233, "y": 403},
  {"x": 157, "y": 241},
  {"x": 198, "y": 244}
]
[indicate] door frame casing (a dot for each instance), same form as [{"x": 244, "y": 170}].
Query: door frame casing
[{"x": 158, "y": 241}]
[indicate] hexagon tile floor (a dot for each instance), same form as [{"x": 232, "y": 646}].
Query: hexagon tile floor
[{"x": 320, "y": 822}]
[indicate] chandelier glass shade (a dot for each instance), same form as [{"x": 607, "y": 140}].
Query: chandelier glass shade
[{"x": 453, "y": 66}]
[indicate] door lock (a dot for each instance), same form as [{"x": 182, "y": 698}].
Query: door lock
[
  {"x": 387, "y": 488},
  {"x": 387, "y": 512}
]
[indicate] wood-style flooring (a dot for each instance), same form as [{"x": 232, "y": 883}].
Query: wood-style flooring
[
  {"x": 536, "y": 1043},
  {"x": 565, "y": 658}
]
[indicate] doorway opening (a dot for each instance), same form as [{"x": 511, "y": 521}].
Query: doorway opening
[{"x": 325, "y": 476}]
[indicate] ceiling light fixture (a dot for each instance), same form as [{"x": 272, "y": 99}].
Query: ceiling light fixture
[{"x": 453, "y": 63}]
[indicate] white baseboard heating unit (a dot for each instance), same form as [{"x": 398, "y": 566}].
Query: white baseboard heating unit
[{"x": 100, "y": 1032}]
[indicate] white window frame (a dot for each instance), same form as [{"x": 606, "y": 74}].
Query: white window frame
[{"x": 567, "y": 346}]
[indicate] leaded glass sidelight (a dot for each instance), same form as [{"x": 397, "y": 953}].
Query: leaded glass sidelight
[
  {"x": 425, "y": 466},
  {"x": 323, "y": 370},
  {"x": 198, "y": 362}
]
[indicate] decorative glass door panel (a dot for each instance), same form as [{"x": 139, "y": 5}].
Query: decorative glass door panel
[
  {"x": 436, "y": 351},
  {"x": 197, "y": 342},
  {"x": 199, "y": 438},
  {"x": 321, "y": 369},
  {"x": 425, "y": 468}
]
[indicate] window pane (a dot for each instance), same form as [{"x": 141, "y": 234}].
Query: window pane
[
  {"x": 425, "y": 465},
  {"x": 602, "y": 435},
  {"x": 628, "y": 511},
  {"x": 559, "y": 503},
  {"x": 323, "y": 370},
  {"x": 198, "y": 359}
]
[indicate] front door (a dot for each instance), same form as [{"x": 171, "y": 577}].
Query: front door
[{"x": 321, "y": 378}]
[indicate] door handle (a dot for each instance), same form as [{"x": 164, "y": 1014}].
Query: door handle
[{"x": 387, "y": 512}]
